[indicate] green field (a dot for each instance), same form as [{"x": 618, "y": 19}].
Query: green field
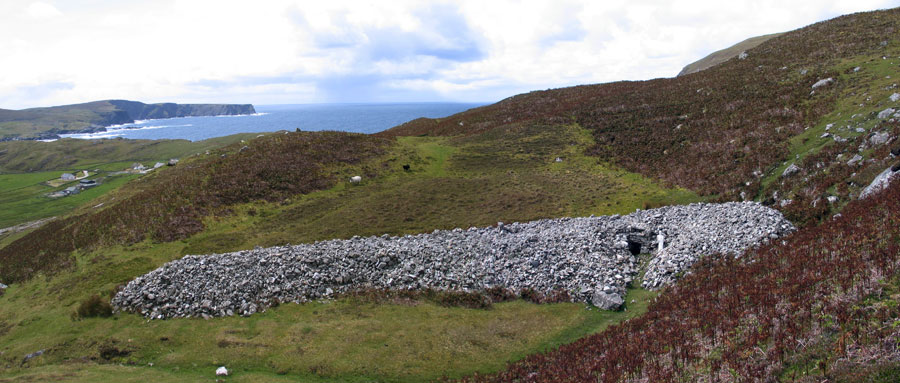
[
  {"x": 24, "y": 196},
  {"x": 451, "y": 182},
  {"x": 25, "y": 166}
]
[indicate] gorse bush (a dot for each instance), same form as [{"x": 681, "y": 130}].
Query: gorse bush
[{"x": 172, "y": 205}]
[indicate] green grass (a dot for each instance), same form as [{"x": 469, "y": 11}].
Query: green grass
[
  {"x": 863, "y": 95},
  {"x": 70, "y": 153},
  {"x": 28, "y": 164},
  {"x": 23, "y": 197},
  {"x": 452, "y": 182},
  {"x": 343, "y": 340}
]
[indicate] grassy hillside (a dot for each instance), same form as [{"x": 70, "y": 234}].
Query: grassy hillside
[
  {"x": 717, "y": 132},
  {"x": 70, "y": 153},
  {"x": 821, "y": 305},
  {"x": 27, "y": 166},
  {"x": 714, "y": 134},
  {"x": 726, "y": 54},
  {"x": 452, "y": 182}
]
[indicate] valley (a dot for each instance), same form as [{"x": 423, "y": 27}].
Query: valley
[{"x": 802, "y": 124}]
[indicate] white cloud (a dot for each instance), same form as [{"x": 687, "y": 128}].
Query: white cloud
[
  {"x": 293, "y": 51},
  {"x": 40, "y": 10}
]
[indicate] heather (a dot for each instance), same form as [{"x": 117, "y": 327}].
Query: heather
[
  {"x": 172, "y": 206},
  {"x": 715, "y": 131},
  {"x": 814, "y": 304}
]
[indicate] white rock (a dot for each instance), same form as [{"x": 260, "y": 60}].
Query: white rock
[
  {"x": 578, "y": 255},
  {"x": 823, "y": 82},
  {"x": 790, "y": 170},
  {"x": 222, "y": 371},
  {"x": 895, "y": 97},
  {"x": 879, "y": 183},
  {"x": 879, "y": 138},
  {"x": 885, "y": 114}
]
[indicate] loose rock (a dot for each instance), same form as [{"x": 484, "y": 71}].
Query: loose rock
[
  {"x": 823, "y": 82},
  {"x": 879, "y": 183},
  {"x": 790, "y": 170},
  {"x": 577, "y": 255},
  {"x": 885, "y": 114}
]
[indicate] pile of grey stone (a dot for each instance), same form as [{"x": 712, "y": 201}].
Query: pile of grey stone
[{"x": 594, "y": 259}]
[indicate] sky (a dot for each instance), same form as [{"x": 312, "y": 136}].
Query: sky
[{"x": 58, "y": 52}]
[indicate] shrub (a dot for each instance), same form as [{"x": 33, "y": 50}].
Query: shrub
[
  {"x": 92, "y": 307},
  {"x": 499, "y": 294},
  {"x": 472, "y": 300},
  {"x": 531, "y": 295}
]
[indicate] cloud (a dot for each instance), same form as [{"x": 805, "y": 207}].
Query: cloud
[
  {"x": 38, "y": 92},
  {"x": 293, "y": 51},
  {"x": 40, "y": 10}
]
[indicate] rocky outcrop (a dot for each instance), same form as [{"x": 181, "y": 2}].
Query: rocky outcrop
[
  {"x": 140, "y": 111},
  {"x": 594, "y": 259},
  {"x": 880, "y": 183}
]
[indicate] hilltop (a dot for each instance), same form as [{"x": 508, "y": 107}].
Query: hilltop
[
  {"x": 802, "y": 124},
  {"x": 726, "y": 54},
  {"x": 49, "y": 122}
]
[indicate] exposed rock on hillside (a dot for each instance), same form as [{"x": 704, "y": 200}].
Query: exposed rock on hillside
[
  {"x": 880, "y": 183},
  {"x": 593, "y": 259}
]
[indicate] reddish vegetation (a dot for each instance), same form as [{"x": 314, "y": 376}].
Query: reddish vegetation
[
  {"x": 171, "y": 206},
  {"x": 746, "y": 317},
  {"x": 707, "y": 131}
]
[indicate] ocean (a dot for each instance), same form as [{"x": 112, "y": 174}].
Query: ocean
[{"x": 359, "y": 118}]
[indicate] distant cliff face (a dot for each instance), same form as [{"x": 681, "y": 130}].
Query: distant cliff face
[
  {"x": 141, "y": 111},
  {"x": 39, "y": 123}
]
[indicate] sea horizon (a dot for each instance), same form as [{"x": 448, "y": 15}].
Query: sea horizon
[{"x": 348, "y": 117}]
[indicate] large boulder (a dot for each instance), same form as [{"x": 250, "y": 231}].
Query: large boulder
[
  {"x": 879, "y": 183},
  {"x": 791, "y": 170},
  {"x": 879, "y": 138},
  {"x": 606, "y": 301},
  {"x": 885, "y": 114},
  {"x": 895, "y": 97}
]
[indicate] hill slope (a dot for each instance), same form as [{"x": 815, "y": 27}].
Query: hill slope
[
  {"x": 93, "y": 116},
  {"x": 753, "y": 128},
  {"x": 731, "y": 130},
  {"x": 726, "y": 54}
]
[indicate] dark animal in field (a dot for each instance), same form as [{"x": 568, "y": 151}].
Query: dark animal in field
[{"x": 406, "y": 167}]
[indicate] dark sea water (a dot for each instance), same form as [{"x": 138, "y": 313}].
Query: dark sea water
[{"x": 359, "y": 118}]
